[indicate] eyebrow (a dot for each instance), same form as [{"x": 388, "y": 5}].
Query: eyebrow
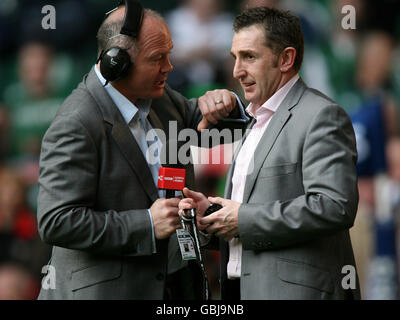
[{"x": 243, "y": 52}]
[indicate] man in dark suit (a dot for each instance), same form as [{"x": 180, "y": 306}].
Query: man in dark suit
[
  {"x": 113, "y": 236},
  {"x": 291, "y": 193}
]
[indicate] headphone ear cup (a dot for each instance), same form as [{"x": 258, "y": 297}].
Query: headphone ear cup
[{"x": 115, "y": 63}]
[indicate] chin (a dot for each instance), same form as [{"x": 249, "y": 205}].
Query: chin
[
  {"x": 249, "y": 97},
  {"x": 157, "y": 94}
]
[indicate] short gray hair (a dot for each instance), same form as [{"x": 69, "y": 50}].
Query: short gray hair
[{"x": 108, "y": 35}]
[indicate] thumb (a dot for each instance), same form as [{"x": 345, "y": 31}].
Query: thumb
[
  {"x": 203, "y": 124},
  {"x": 196, "y": 196}
]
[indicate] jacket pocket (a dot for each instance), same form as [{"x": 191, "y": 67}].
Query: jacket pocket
[
  {"x": 283, "y": 169},
  {"x": 96, "y": 274},
  {"x": 304, "y": 275}
]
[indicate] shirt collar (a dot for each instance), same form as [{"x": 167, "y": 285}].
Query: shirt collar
[
  {"x": 274, "y": 102},
  {"x": 127, "y": 108}
]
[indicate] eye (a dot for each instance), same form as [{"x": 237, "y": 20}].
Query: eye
[{"x": 249, "y": 56}]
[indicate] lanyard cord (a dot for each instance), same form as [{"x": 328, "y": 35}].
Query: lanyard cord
[{"x": 190, "y": 220}]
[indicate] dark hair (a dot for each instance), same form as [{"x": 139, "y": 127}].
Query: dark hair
[{"x": 281, "y": 28}]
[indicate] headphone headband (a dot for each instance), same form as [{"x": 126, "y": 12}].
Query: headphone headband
[
  {"x": 115, "y": 62},
  {"x": 133, "y": 18}
]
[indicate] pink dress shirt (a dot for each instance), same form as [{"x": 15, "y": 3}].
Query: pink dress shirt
[{"x": 244, "y": 164}]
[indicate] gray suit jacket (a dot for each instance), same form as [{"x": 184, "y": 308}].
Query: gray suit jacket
[
  {"x": 299, "y": 203},
  {"x": 95, "y": 189}
]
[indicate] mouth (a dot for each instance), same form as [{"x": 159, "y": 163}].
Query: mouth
[
  {"x": 160, "y": 83},
  {"x": 248, "y": 85}
]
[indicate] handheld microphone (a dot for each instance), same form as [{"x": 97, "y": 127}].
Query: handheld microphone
[{"x": 171, "y": 175}]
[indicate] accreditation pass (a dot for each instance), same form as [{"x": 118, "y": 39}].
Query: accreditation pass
[{"x": 186, "y": 244}]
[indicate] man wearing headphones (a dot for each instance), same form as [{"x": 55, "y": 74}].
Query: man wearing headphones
[{"x": 112, "y": 231}]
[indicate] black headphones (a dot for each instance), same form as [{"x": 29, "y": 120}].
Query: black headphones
[{"x": 115, "y": 62}]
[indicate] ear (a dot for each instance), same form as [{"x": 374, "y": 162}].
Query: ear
[{"x": 287, "y": 57}]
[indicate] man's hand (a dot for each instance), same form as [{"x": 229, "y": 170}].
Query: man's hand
[
  {"x": 195, "y": 200},
  {"x": 215, "y": 105},
  {"x": 165, "y": 217},
  {"x": 224, "y": 222}
]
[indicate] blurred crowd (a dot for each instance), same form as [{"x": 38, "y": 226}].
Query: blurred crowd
[{"x": 359, "y": 68}]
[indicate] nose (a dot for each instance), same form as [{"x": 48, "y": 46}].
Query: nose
[
  {"x": 238, "y": 70},
  {"x": 166, "y": 65}
]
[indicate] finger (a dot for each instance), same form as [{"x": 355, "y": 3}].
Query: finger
[
  {"x": 186, "y": 192},
  {"x": 173, "y": 202},
  {"x": 197, "y": 196},
  {"x": 210, "y": 219},
  {"x": 202, "y": 227},
  {"x": 218, "y": 200},
  {"x": 222, "y": 109},
  {"x": 214, "y": 105},
  {"x": 213, "y": 228},
  {"x": 228, "y": 103},
  {"x": 187, "y": 204},
  {"x": 175, "y": 221},
  {"x": 218, "y": 105},
  {"x": 203, "y": 124},
  {"x": 172, "y": 212},
  {"x": 220, "y": 233},
  {"x": 187, "y": 200},
  {"x": 207, "y": 107}
]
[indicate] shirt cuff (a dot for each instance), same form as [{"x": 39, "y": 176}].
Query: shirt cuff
[
  {"x": 241, "y": 108},
  {"x": 153, "y": 237}
]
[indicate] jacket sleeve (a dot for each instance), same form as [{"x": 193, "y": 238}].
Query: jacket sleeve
[
  {"x": 237, "y": 119},
  {"x": 67, "y": 191},
  {"x": 330, "y": 198}
]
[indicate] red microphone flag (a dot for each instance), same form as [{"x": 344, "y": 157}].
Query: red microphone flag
[{"x": 171, "y": 178}]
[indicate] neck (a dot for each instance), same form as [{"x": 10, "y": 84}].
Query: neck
[
  {"x": 124, "y": 90},
  {"x": 286, "y": 77},
  {"x": 122, "y": 87}
]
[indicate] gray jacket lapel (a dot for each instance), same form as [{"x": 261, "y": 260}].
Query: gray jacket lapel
[
  {"x": 228, "y": 185},
  {"x": 155, "y": 121},
  {"x": 122, "y": 135}
]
